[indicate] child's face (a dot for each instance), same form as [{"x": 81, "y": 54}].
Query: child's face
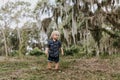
[{"x": 55, "y": 36}]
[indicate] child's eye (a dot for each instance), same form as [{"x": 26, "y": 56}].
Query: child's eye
[{"x": 57, "y": 35}]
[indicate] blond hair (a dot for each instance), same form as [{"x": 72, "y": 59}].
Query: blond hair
[{"x": 53, "y": 33}]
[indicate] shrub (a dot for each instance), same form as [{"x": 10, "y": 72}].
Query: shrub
[
  {"x": 72, "y": 50},
  {"x": 116, "y": 43},
  {"x": 14, "y": 53},
  {"x": 36, "y": 52},
  {"x": 80, "y": 55},
  {"x": 104, "y": 55}
]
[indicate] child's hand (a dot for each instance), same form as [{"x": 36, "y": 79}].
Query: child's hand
[
  {"x": 62, "y": 54},
  {"x": 46, "y": 52}
]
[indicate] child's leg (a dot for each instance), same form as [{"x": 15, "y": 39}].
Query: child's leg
[
  {"x": 49, "y": 65},
  {"x": 57, "y": 65}
]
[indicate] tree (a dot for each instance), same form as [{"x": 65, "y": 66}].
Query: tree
[
  {"x": 91, "y": 24},
  {"x": 15, "y": 13},
  {"x": 84, "y": 18}
]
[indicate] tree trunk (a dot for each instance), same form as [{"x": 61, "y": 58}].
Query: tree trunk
[
  {"x": 87, "y": 36},
  {"x": 5, "y": 42},
  {"x": 18, "y": 32}
]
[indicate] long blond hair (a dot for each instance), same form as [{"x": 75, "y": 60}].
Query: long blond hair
[{"x": 53, "y": 33}]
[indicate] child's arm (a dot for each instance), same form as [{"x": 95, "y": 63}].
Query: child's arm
[
  {"x": 62, "y": 52},
  {"x": 46, "y": 51}
]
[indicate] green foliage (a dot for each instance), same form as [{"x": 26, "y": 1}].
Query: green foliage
[
  {"x": 116, "y": 43},
  {"x": 13, "y": 40},
  {"x": 72, "y": 50},
  {"x": 93, "y": 53},
  {"x": 104, "y": 55},
  {"x": 23, "y": 44},
  {"x": 14, "y": 53},
  {"x": 97, "y": 35},
  {"x": 36, "y": 52},
  {"x": 80, "y": 55},
  {"x": 88, "y": 25}
]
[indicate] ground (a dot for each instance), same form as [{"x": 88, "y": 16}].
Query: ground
[{"x": 34, "y": 68}]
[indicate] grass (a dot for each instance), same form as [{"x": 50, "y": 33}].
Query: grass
[{"x": 34, "y": 68}]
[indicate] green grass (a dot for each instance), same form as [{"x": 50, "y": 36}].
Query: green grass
[
  {"x": 34, "y": 68},
  {"x": 116, "y": 76}
]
